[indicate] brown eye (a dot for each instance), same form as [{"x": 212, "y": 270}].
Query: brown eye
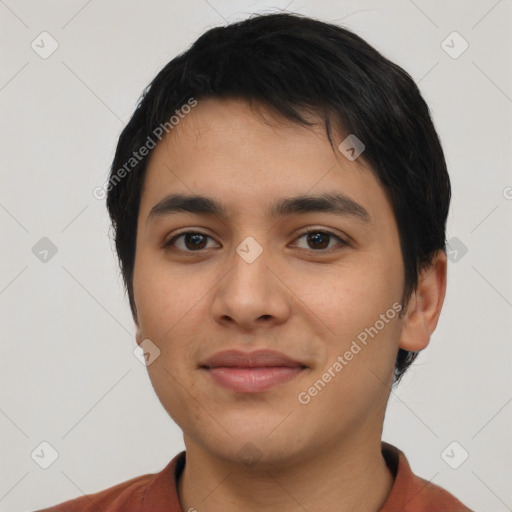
[
  {"x": 319, "y": 241},
  {"x": 192, "y": 241}
]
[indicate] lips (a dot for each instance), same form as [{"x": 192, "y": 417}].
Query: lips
[
  {"x": 257, "y": 359},
  {"x": 251, "y": 372}
]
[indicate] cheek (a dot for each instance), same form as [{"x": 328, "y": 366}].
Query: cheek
[
  {"x": 167, "y": 301},
  {"x": 347, "y": 304},
  {"x": 168, "y": 306},
  {"x": 350, "y": 297}
]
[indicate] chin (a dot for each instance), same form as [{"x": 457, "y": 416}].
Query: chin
[
  {"x": 265, "y": 442},
  {"x": 257, "y": 452}
]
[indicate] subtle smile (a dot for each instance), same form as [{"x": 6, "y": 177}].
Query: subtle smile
[{"x": 253, "y": 380}]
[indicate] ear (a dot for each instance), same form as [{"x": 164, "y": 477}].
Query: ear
[
  {"x": 424, "y": 307},
  {"x": 138, "y": 333}
]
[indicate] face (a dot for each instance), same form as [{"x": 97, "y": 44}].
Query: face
[{"x": 313, "y": 284}]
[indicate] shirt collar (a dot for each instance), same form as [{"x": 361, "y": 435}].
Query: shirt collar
[{"x": 408, "y": 493}]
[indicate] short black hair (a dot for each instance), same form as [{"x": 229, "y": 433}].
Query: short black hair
[{"x": 292, "y": 63}]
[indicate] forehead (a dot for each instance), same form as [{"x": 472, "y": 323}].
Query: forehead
[{"x": 248, "y": 155}]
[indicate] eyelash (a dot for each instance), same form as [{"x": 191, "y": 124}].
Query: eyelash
[{"x": 169, "y": 244}]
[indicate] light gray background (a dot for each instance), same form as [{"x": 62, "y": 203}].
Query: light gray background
[{"x": 68, "y": 373}]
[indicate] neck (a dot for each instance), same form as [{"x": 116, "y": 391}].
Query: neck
[{"x": 346, "y": 477}]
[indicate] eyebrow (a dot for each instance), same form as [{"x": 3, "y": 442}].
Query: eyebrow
[{"x": 336, "y": 203}]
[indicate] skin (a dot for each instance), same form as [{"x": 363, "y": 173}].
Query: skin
[{"x": 294, "y": 298}]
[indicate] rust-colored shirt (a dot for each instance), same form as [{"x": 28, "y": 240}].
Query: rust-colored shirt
[{"x": 158, "y": 492}]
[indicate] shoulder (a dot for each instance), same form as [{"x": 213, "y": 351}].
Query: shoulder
[
  {"x": 115, "y": 498},
  {"x": 138, "y": 494},
  {"x": 411, "y": 493},
  {"x": 433, "y": 497}
]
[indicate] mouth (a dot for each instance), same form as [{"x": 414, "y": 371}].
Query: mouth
[
  {"x": 253, "y": 372},
  {"x": 253, "y": 380}
]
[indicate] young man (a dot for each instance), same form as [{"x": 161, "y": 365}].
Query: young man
[{"x": 279, "y": 200}]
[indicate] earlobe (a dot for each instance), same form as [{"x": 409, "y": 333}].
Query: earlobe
[
  {"x": 425, "y": 304},
  {"x": 138, "y": 333}
]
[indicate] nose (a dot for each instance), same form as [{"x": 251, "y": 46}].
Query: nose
[{"x": 251, "y": 295}]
